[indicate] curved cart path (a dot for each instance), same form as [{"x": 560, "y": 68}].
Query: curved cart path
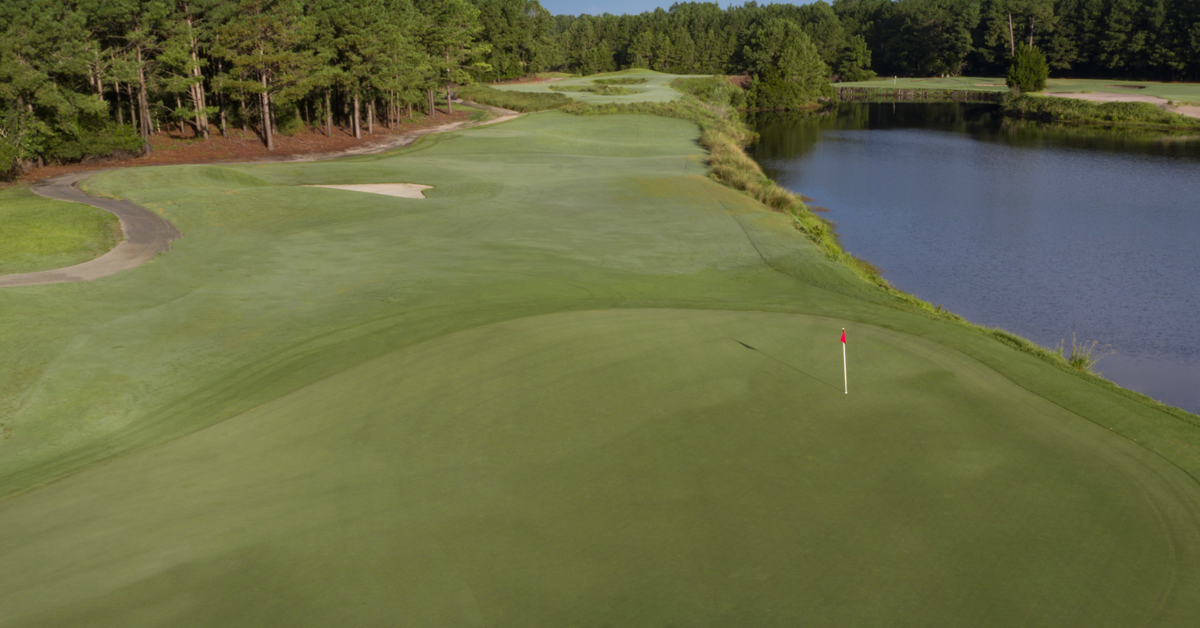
[{"x": 147, "y": 234}]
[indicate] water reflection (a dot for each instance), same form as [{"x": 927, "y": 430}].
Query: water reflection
[{"x": 1041, "y": 229}]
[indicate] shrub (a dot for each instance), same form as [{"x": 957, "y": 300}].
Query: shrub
[
  {"x": 99, "y": 140},
  {"x": 715, "y": 90},
  {"x": 1029, "y": 70},
  {"x": 770, "y": 91}
]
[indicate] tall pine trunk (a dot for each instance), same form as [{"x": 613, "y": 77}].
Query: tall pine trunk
[
  {"x": 328, "y": 114},
  {"x": 120, "y": 111},
  {"x": 143, "y": 104},
  {"x": 1012, "y": 42},
  {"x": 371, "y": 118},
  {"x": 432, "y": 111},
  {"x": 266, "y": 115},
  {"x": 357, "y": 123}
]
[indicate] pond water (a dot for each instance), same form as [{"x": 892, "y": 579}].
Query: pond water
[{"x": 1043, "y": 230}]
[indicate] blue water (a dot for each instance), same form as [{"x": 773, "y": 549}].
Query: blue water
[{"x": 1042, "y": 230}]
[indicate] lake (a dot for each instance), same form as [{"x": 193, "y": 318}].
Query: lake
[{"x": 1043, "y": 230}]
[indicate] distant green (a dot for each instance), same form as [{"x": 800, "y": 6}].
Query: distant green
[
  {"x": 580, "y": 383},
  {"x": 40, "y": 234}
]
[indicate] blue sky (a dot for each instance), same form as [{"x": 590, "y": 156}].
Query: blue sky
[{"x": 617, "y": 7}]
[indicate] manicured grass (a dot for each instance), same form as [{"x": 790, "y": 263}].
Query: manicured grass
[
  {"x": 579, "y": 384},
  {"x": 1179, "y": 92},
  {"x": 39, "y": 234},
  {"x": 651, "y": 87}
]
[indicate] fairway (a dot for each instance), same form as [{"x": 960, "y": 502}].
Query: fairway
[{"x": 578, "y": 383}]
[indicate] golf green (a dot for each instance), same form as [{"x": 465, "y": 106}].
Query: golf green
[{"x": 577, "y": 384}]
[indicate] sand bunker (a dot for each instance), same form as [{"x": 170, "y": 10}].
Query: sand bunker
[{"x": 404, "y": 190}]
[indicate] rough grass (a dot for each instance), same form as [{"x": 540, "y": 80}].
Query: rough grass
[
  {"x": 627, "y": 80},
  {"x": 515, "y": 100},
  {"x": 1072, "y": 110},
  {"x": 600, "y": 90},
  {"x": 41, "y": 234}
]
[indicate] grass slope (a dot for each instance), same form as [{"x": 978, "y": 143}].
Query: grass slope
[
  {"x": 579, "y": 385},
  {"x": 40, "y": 234}
]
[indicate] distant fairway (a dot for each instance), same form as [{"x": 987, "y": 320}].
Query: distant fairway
[{"x": 577, "y": 384}]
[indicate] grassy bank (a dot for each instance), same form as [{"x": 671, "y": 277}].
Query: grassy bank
[
  {"x": 600, "y": 90},
  {"x": 1050, "y": 109},
  {"x": 41, "y": 234},
  {"x": 514, "y": 100},
  {"x": 580, "y": 383}
]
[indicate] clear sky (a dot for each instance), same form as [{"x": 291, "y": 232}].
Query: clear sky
[{"x": 617, "y": 7}]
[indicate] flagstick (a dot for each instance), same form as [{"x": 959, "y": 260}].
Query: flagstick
[{"x": 845, "y": 373}]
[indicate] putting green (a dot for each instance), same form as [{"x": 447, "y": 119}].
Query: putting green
[
  {"x": 636, "y": 467},
  {"x": 577, "y": 384}
]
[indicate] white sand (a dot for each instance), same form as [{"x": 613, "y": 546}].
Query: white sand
[{"x": 403, "y": 190}]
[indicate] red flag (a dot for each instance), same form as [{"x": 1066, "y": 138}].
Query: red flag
[{"x": 843, "y": 335}]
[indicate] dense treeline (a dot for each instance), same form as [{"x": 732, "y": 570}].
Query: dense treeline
[
  {"x": 84, "y": 77},
  {"x": 1137, "y": 39}
]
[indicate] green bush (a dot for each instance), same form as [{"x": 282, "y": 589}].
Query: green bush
[
  {"x": 517, "y": 101},
  {"x": 100, "y": 140},
  {"x": 1029, "y": 70},
  {"x": 771, "y": 92},
  {"x": 714, "y": 90}
]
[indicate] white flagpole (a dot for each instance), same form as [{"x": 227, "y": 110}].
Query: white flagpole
[{"x": 845, "y": 373}]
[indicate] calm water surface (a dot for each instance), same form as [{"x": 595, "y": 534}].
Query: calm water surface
[{"x": 1039, "y": 229}]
